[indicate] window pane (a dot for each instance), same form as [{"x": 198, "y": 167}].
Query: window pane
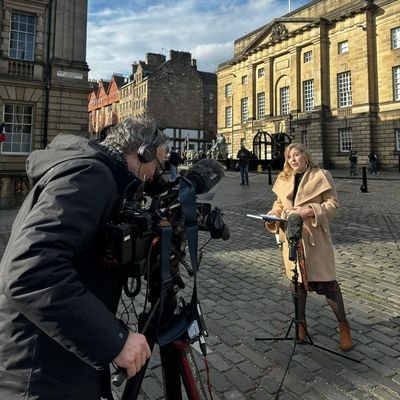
[
  {"x": 396, "y": 83},
  {"x": 18, "y": 119},
  {"x": 344, "y": 89},
  {"x": 308, "y": 93},
  {"x": 228, "y": 90},
  {"x": 261, "y": 105},
  {"x": 228, "y": 117},
  {"x": 346, "y": 140},
  {"x": 304, "y": 138},
  {"x": 284, "y": 98},
  {"x": 244, "y": 109},
  {"x": 307, "y": 56},
  {"x": 343, "y": 47},
  {"x": 22, "y": 37},
  {"x": 6, "y": 147},
  {"x": 397, "y": 133},
  {"x": 395, "y": 33}
]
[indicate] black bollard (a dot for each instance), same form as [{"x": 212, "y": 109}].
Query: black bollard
[
  {"x": 269, "y": 175},
  {"x": 364, "y": 187}
]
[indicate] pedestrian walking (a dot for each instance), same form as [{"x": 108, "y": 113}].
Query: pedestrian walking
[
  {"x": 244, "y": 156},
  {"x": 303, "y": 188},
  {"x": 373, "y": 163},
  {"x": 353, "y": 158}
]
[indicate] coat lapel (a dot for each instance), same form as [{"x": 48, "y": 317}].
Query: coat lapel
[{"x": 313, "y": 184}]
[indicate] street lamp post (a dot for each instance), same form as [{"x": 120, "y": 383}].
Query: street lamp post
[
  {"x": 233, "y": 116},
  {"x": 232, "y": 125}
]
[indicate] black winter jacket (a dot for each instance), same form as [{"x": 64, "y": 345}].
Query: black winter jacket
[{"x": 58, "y": 330}]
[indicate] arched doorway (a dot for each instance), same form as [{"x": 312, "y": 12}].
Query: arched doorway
[
  {"x": 262, "y": 143},
  {"x": 279, "y": 142},
  {"x": 262, "y": 147}
]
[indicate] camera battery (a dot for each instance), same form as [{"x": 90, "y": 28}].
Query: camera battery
[{"x": 121, "y": 237}]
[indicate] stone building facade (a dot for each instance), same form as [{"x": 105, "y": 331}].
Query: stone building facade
[
  {"x": 181, "y": 99},
  {"x": 326, "y": 74},
  {"x": 104, "y": 103},
  {"x": 43, "y": 82}
]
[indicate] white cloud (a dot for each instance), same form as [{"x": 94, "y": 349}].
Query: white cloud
[{"x": 119, "y": 35}]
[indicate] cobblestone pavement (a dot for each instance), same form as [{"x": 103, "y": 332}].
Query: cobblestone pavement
[{"x": 245, "y": 295}]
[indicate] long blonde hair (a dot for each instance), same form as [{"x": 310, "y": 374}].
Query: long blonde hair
[{"x": 287, "y": 169}]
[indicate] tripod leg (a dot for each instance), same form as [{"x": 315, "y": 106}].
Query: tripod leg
[
  {"x": 170, "y": 369},
  {"x": 133, "y": 385},
  {"x": 190, "y": 373}
]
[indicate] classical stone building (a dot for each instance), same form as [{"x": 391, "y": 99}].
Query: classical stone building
[
  {"x": 181, "y": 99},
  {"x": 326, "y": 74},
  {"x": 43, "y": 81}
]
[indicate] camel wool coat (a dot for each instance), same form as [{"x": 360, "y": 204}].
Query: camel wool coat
[{"x": 316, "y": 190}]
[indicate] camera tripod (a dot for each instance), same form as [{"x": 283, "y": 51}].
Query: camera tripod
[
  {"x": 173, "y": 328},
  {"x": 295, "y": 321},
  {"x": 178, "y": 366}
]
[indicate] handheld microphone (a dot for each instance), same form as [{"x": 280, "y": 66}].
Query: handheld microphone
[
  {"x": 205, "y": 174},
  {"x": 293, "y": 234}
]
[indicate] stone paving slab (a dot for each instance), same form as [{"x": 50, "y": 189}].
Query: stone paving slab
[{"x": 245, "y": 295}]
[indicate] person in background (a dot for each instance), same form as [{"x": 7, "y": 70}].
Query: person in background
[
  {"x": 174, "y": 160},
  {"x": 303, "y": 188},
  {"x": 244, "y": 156},
  {"x": 353, "y": 158},
  {"x": 58, "y": 295},
  {"x": 373, "y": 162}
]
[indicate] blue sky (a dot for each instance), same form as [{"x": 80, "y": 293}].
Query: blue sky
[{"x": 121, "y": 32}]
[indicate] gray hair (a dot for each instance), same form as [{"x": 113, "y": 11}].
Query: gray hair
[{"x": 132, "y": 132}]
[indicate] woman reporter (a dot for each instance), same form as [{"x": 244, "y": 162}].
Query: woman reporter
[{"x": 303, "y": 188}]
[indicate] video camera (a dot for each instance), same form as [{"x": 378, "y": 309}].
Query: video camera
[{"x": 132, "y": 237}]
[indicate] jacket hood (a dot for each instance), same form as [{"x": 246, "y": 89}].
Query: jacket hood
[{"x": 69, "y": 147}]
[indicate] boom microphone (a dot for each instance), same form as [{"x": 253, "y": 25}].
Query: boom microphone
[
  {"x": 205, "y": 174},
  {"x": 294, "y": 233}
]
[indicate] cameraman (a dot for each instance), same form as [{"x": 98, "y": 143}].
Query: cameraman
[{"x": 58, "y": 329}]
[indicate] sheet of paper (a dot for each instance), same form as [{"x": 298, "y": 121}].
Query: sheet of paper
[{"x": 267, "y": 217}]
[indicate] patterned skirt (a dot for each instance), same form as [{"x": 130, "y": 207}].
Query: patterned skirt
[{"x": 329, "y": 288}]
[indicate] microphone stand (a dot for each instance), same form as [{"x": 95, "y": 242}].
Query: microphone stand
[{"x": 296, "y": 322}]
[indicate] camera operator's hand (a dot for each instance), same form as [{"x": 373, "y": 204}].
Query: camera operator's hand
[{"x": 134, "y": 354}]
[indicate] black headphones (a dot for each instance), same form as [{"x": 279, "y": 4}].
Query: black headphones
[{"x": 148, "y": 152}]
